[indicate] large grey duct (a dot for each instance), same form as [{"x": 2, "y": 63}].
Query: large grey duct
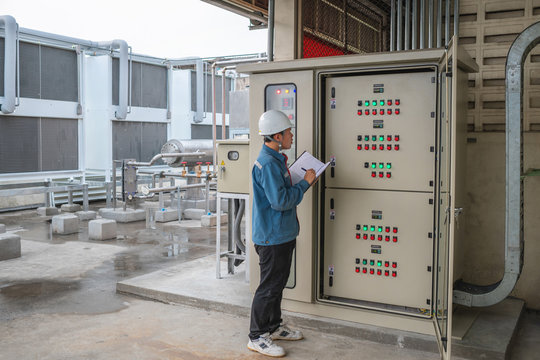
[
  {"x": 10, "y": 63},
  {"x": 123, "y": 92},
  {"x": 513, "y": 261}
]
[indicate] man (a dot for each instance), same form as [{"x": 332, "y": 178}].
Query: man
[{"x": 275, "y": 228}]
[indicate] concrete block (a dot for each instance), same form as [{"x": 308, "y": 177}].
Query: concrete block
[
  {"x": 166, "y": 215},
  {"x": 194, "y": 214},
  {"x": 65, "y": 224},
  {"x": 102, "y": 229},
  {"x": 86, "y": 215},
  {"x": 2, "y": 228},
  {"x": 121, "y": 216},
  {"x": 47, "y": 211},
  {"x": 70, "y": 208},
  {"x": 211, "y": 220},
  {"x": 10, "y": 246}
]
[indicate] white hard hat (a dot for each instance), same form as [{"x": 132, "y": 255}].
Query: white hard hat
[{"x": 273, "y": 122}]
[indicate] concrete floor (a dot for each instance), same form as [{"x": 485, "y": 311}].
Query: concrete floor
[{"x": 59, "y": 301}]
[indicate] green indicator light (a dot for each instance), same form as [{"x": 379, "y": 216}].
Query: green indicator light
[
  {"x": 374, "y": 103},
  {"x": 381, "y": 102},
  {"x": 366, "y": 103},
  {"x": 381, "y": 138},
  {"x": 364, "y": 262},
  {"x": 379, "y": 228},
  {"x": 381, "y": 165},
  {"x": 373, "y": 138},
  {"x": 389, "y": 166},
  {"x": 373, "y": 165},
  {"x": 365, "y": 227},
  {"x": 371, "y": 262},
  {"x": 366, "y": 137},
  {"x": 379, "y": 263},
  {"x": 372, "y": 228}
]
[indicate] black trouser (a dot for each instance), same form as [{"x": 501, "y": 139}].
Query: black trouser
[{"x": 275, "y": 265}]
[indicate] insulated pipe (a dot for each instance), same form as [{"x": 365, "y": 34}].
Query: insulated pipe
[
  {"x": 430, "y": 25},
  {"x": 10, "y": 63},
  {"x": 513, "y": 255},
  {"x": 456, "y": 18},
  {"x": 439, "y": 23},
  {"x": 122, "y": 46},
  {"x": 223, "y": 103},
  {"x": 271, "y": 13},
  {"x": 447, "y": 22},
  {"x": 169, "y": 89},
  {"x": 164, "y": 155},
  {"x": 399, "y": 22},
  {"x": 199, "y": 77},
  {"x": 422, "y": 22}
]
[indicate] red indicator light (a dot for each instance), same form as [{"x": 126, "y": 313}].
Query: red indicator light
[
  {"x": 394, "y": 238},
  {"x": 358, "y": 236},
  {"x": 365, "y": 236},
  {"x": 387, "y": 229},
  {"x": 364, "y": 270},
  {"x": 394, "y": 230},
  {"x": 386, "y": 272},
  {"x": 357, "y": 269},
  {"x": 381, "y": 174},
  {"x": 387, "y": 238},
  {"x": 372, "y": 236},
  {"x": 396, "y": 147},
  {"x": 278, "y": 91},
  {"x": 389, "y": 102},
  {"x": 379, "y": 272},
  {"x": 373, "y": 112},
  {"x": 394, "y": 265},
  {"x": 381, "y": 147},
  {"x": 386, "y": 263},
  {"x": 372, "y": 271},
  {"x": 373, "y": 147},
  {"x": 359, "y": 112},
  {"x": 366, "y": 112},
  {"x": 359, "y": 147},
  {"x": 373, "y": 174},
  {"x": 381, "y": 112},
  {"x": 398, "y": 102},
  {"x": 396, "y": 137},
  {"x": 389, "y": 111},
  {"x": 394, "y": 273},
  {"x": 366, "y": 147},
  {"x": 388, "y": 137},
  {"x": 388, "y": 147},
  {"x": 379, "y": 237},
  {"x": 388, "y": 175},
  {"x": 397, "y": 111}
]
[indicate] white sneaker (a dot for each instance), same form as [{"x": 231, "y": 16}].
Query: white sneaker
[
  {"x": 285, "y": 333},
  {"x": 265, "y": 346}
]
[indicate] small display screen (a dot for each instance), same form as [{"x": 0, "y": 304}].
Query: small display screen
[{"x": 287, "y": 103}]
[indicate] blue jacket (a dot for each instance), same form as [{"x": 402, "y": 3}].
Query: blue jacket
[{"x": 274, "y": 199}]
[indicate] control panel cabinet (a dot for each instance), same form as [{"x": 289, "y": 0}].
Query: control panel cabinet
[{"x": 233, "y": 166}]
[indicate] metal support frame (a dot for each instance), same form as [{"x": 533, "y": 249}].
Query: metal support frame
[
  {"x": 48, "y": 190},
  {"x": 230, "y": 253},
  {"x": 513, "y": 261}
]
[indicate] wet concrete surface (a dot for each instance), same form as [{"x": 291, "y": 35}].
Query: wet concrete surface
[{"x": 93, "y": 292}]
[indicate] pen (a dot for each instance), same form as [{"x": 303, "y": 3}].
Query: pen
[{"x": 303, "y": 169}]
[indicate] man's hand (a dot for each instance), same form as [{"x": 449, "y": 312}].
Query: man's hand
[{"x": 310, "y": 176}]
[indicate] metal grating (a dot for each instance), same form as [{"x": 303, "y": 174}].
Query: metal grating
[
  {"x": 148, "y": 84},
  {"x": 208, "y": 92},
  {"x": 341, "y": 27},
  {"x": 138, "y": 140}
]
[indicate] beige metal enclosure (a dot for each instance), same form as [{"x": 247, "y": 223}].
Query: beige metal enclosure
[
  {"x": 376, "y": 238},
  {"x": 233, "y": 166}
]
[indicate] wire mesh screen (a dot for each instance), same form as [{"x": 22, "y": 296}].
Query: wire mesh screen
[{"x": 341, "y": 27}]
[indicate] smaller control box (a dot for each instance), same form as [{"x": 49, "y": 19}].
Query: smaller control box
[{"x": 233, "y": 168}]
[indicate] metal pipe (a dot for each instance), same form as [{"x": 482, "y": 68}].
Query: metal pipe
[
  {"x": 199, "y": 77},
  {"x": 407, "y": 25},
  {"x": 439, "y": 23},
  {"x": 223, "y": 102},
  {"x": 85, "y": 197},
  {"x": 164, "y": 155},
  {"x": 447, "y": 26},
  {"x": 456, "y": 18},
  {"x": 430, "y": 25},
  {"x": 169, "y": 90},
  {"x": 10, "y": 63},
  {"x": 122, "y": 46},
  {"x": 513, "y": 261},
  {"x": 270, "y": 50},
  {"x": 207, "y": 196},
  {"x": 174, "y": 188},
  {"x": 415, "y": 25},
  {"x": 392, "y": 24},
  {"x": 422, "y": 22},
  {"x": 214, "y": 127},
  {"x": 399, "y": 21}
]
